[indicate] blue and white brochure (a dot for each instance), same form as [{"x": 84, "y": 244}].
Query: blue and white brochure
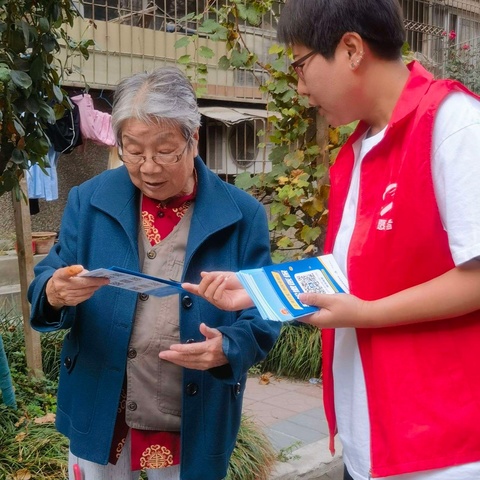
[
  {"x": 275, "y": 289},
  {"x": 137, "y": 281}
]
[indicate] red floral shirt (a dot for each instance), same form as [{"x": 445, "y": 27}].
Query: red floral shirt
[{"x": 150, "y": 449}]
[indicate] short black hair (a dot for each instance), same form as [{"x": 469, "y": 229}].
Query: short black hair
[{"x": 320, "y": 25}]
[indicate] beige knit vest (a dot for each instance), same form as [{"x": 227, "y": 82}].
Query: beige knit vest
[{"x": 154, "y": 386}]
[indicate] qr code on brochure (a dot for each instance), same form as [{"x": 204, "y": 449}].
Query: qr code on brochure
[{"x": 313, "y": 282}]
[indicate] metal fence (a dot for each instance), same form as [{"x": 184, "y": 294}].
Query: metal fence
[
  {"x": 138, "y": 35},
  {"x": 445, "y": 36}
]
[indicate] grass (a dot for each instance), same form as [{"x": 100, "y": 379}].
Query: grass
[
  {"x": 297, "y": 353},
  {"x": 30, "y": 449},
  {"x": 253, "y": 456}
]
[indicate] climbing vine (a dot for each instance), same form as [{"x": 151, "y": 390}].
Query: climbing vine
[{"x": 296, "y": 189}]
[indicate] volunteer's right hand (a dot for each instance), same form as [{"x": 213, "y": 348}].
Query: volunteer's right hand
[
  {"x": 67, "y": 288},
  {"x": 222, "y": 289}
]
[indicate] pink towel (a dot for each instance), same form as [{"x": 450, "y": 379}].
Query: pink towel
[{"x": 94, "y": 124}]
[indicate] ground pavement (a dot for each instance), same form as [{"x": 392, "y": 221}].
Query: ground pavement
[{"x": 291, "y": 414}]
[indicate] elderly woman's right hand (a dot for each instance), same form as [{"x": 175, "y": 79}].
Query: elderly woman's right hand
[
  {"x": 67, "y": 288},
  {"x": 222, "y": 289}
]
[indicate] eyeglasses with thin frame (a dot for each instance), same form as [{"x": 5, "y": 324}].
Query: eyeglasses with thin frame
[
  {"x": 297, "y": 65},
  {"x": 158, "y": 158}
]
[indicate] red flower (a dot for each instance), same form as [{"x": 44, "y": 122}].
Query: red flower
[
  {"x": 466, "y": 46},
  {"x": 452, "y": 35}
]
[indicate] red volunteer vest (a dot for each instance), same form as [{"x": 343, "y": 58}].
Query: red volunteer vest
[{"x": 423, "y": 380}]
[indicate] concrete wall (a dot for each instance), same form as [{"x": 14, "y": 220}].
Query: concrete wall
[{"x": 83, "y": 163}]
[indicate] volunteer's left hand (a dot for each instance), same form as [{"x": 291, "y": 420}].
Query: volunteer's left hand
[
  {"x": 199, "y": 355},
  {"x": 336, "y": 310}
]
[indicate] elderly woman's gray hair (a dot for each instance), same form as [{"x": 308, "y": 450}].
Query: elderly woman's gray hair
[{"x": 163, "y": 95}]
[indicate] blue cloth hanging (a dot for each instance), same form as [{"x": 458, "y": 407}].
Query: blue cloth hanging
[{"x": 41, "y": 185}]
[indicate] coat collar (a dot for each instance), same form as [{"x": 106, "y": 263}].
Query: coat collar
[{"x": 214, "y": 209}]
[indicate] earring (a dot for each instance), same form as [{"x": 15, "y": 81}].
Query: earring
[{"x": 354, "y": 65}]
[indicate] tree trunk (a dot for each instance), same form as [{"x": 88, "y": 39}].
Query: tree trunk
[{"x": 25, "y": 267}]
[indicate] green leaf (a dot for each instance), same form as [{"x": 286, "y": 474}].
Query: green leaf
[
  {"x": 184, "y": 60},
  {"x": 279, "y": 64},
  {"x": 4, "y": 73},
  {"x": 37, "y": 68},
  {"x": 209, "y": 26},
  {"x": 26, "y": 32},
  {"x": 43, "y": 25},
  {"x": 224, "y": 63},
  {"x": 17, "y": 42},
  {"x": 49, "y": 42},
  {"x": 32, "y": 104},
  {"x": 239, "y": 58},
  {"x": 182, "y": 42},
  {"x": 19, "y": 127},
  {"x": 47, "y": 113},
  {"x": 253, "y": 16},
  {"x": 21, "y": 79},
  {"x": 57, "y": 91},
  {"x": 220, "y": 34},
  {"x": 290, "y": 220},
  {"x": 276, "y": 49},
  {"x": 309, "y": 234},
  {"x": 18, "y": 156},
  {"x": 206, "y": 52},
  {"x": 285, "y": 242},
  {"x": 245, "y": 181}
]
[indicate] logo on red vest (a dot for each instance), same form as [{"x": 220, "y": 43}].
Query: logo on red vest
[{"x": 385, "y": 222}]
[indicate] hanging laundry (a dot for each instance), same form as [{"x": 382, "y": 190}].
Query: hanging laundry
[
  {"x": 41, "y": 185},
  {"x": 94, "y": 124},
  {"x": 34, "y": 206},
  {"x": 65, "y": 134}
]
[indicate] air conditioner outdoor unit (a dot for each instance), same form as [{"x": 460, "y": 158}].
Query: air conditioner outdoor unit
[{"x": 237, "y": 148}]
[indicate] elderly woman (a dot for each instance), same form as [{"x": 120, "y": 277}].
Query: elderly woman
[{"x": 123, "y": 406}]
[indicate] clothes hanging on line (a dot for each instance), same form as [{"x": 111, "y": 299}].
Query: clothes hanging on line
[
  {"x": 94, "y": 124},
  {"x": 41, "y": 185},
  {"x": 33, "y": 206},
  {"x": 64, "y": 134}
]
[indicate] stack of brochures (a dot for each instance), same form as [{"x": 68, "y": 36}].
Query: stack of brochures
[
  {"x": 137, "y": 282},
  {"x": 275, "y": 289}
]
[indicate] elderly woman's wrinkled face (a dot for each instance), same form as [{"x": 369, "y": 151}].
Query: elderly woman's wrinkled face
[{"x": 163, "y": 181}]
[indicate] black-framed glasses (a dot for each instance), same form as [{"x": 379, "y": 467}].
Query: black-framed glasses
[
  {"x": 158, "y": 158},
  {"x": 297, "y": 65}
]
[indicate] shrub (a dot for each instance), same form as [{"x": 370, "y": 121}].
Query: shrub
[{"x": 296, "y": 354}]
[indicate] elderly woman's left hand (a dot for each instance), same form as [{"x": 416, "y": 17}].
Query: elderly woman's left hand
[{"x": 200, "y": 355}]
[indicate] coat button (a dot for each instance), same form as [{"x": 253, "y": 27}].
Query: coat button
[
  {"x": 191, "y": 389},
  {"x": 187, "y": 302},
  {"x": 67, "y": 362},
  {"x": 143, "y": 297},
  {"x": 237, "y": 389},
  {"x": 132, "y": 353},
  {"x": 132, "y": 406},
  {"x": 190, "y": 340},
  {"x": 151, "y": 254}
]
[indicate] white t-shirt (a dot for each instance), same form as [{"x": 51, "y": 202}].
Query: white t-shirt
[{"x": 456, "y": 173}]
